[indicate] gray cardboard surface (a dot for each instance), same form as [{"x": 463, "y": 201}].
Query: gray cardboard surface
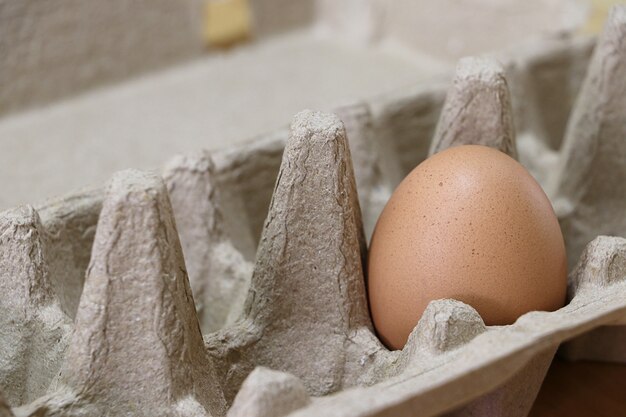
[{"x": 152, "y": 332}]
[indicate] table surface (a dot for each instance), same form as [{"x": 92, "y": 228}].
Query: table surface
[{"x": 582, "y": 388}]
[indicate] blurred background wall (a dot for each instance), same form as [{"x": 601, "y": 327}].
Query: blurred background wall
[
  {"x": 50, "y": 49},
  {"x": 54, "y": 48}
]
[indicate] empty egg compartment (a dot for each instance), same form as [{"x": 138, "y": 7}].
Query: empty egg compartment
[{"x": 98, "y": 316}]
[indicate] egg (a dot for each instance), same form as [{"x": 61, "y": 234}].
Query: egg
[{"x": 469, "y": 223}]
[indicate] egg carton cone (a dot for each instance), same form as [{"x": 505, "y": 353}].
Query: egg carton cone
[{"x": 232, "y": 283}]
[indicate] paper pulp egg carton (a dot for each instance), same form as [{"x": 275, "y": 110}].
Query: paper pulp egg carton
[{"x": 100, "y": 314}]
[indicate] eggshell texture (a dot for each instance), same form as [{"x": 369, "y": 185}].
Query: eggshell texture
[{"x": 469, "y": 223}]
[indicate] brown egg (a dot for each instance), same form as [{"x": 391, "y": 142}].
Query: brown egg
[{"x": 469, "y": 223}]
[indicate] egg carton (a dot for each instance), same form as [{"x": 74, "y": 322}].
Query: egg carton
[{"x": 97, "y": 316}]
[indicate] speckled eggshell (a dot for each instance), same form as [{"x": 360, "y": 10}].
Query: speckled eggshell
[{"x": 469, "y": 223}]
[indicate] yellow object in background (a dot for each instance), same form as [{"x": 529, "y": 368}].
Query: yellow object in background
[
  {"x": 597, "y": 16},
  {"x": 226, "y": 22}
]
